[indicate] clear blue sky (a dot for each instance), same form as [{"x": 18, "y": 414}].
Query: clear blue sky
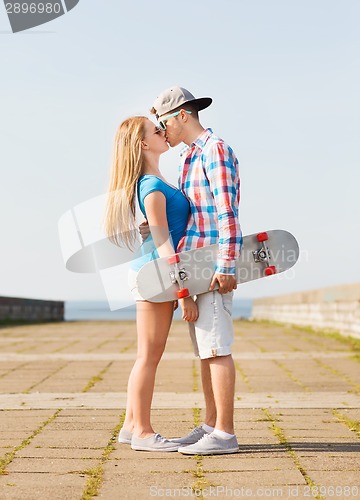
[{"x": 284, "y": 76}]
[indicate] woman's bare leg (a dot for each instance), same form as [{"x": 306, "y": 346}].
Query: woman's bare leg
[{"x": 153, "y": 321}]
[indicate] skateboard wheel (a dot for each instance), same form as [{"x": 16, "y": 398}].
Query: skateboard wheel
[
  {"x": 262, "y": 237},
  {"x": 270, "y": 270},
  {"x": 184, "y": 292},
  {"x": 174, "y": 259}
]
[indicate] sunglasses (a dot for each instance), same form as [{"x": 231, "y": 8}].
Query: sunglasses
[
  {"x": 158, "y": 130},
  {"x": 162, "y": 124}
]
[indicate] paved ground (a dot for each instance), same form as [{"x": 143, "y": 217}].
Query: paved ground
[{"x": 62, "y": 403}]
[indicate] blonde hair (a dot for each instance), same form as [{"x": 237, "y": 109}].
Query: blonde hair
[{"x": 127, "y": 166}]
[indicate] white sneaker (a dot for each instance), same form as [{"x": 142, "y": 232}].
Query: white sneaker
[
  {"x": 153, "y": 443},
  {"x": 125, "y": 436},
  {"x": 192, "y": 437},
  {"x": 211, "y": 444}
]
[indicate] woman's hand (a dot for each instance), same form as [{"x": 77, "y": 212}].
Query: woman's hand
[
  {"x": 190, "y": 309},
  {"x": 144, "y": 230}
]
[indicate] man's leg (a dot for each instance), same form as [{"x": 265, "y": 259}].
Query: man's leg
[
  {"x": 222, "y": 372},
  {"x": 210, "y": 415},
  {"x": 222, "y": 440},
  {"x": 212, "y": 334},
  {"x": 214, "y": 337}
]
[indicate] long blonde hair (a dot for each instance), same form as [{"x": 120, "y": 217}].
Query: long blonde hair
[{"x": 127, "y": 166}]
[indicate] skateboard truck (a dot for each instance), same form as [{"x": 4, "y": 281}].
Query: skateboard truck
[
  {"x": 263, "y": 254},
  {"x": 178, "y": 276}
]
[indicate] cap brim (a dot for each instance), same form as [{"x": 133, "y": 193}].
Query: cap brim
[{"x": 202, "y": 103}]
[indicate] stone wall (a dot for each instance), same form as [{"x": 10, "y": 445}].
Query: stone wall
[
  {"x": 17, "y": 309},
  {"x": 335, "y": 308}
]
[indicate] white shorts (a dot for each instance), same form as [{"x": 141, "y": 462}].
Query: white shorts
[
  {"x": 132, "y": 284},
  {"x": 213, "y": 333}
]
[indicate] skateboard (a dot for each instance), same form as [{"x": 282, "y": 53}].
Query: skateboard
[{"x": 190, "y": 273}]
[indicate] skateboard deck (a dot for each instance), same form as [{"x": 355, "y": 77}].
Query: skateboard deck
[{"x": 190, "y": 273}]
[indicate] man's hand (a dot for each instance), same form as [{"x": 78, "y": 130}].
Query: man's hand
[
  {"x": 227, "y": 283},
  {"x": 144, "y": 230}
]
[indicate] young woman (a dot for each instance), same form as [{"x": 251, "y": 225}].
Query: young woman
[{"x": 135, "y": 169}]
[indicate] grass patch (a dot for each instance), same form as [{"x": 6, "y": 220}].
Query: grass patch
[
  {"x": 96, "y": 474},
  {"x": 96, "y": 378},
  {"x": 201, "y": 483},
  {"x": 353, "y": 425},
  {"x": 27, "y": 391},
  {"x": 267, "y": 322},
  {"x": 195, "y": 376},
  {"x": 243, "y": 376},
  {"x": 352, "y": 342},
  {"x": 9, "y": 457},
  {"x": 196, "y": 415},
  {"x": 337, "y": 373},
  {"x": 13, "y": 369},
  {"x": 279, "y": 433},
  {"x": 70, "y": 344},
  {"x": 292, "y": 376},
  {"x": 198, "y": 472},
  {"x": 129, "y": 346}
]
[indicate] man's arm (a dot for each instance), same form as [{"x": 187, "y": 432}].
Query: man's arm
[{"x": 222, "y": 172}]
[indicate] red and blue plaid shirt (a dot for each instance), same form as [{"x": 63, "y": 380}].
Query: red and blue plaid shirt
[{"x": 209, "y": 178}]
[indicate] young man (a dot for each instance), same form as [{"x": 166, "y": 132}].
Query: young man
[{"x": 209, "y": 178}]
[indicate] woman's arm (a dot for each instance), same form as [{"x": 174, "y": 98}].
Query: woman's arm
[{"x": 155, "y": 207}]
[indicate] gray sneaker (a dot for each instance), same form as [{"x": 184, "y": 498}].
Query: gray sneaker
[
  {"x": 211, "y": 444},
  {"x": 192, "y": 437},
  {"x": 153, "y": 443},
  {"x": 125, "y": 436}
]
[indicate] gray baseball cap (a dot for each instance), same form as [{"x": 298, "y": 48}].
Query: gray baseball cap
[{"x": 174, "y": 97}]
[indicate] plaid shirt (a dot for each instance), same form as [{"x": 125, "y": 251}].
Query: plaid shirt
[{"x": 209, "y": 178}]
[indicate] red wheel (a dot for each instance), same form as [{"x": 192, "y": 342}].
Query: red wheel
[
  {"x": 174, "y": 259},
  {"x": 184, "y": 292},
  {"x": 262, "y": 237},
  {"x": 270, "y": 270}
]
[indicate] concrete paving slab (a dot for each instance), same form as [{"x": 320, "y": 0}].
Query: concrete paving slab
[
  {"x": 151, "y": 485},
  {"x": 32, "y": 451},
  {"x": 327, "y": 462},
  {"x": 115, "y": 400},
  {"x": 265, "y": 479},
  {"x": 241, "y": 462},
  {"x": 72, "y": 439},
  {"x": 12, "y": 358},
  {"x": 163, "y": 463},
  {"x": 36, "y": 486},
  {"x": 7, "y": 443},
  {"x": 280, "y": 369},
  {"x": 337, "y": 478},
  {"x": 50, "y": 465}
]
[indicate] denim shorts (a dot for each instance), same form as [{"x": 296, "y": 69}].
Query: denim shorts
[{"x": 213, "y": 333}]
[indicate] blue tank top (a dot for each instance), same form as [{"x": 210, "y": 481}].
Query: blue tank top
[{"x": 177, "y": 213}]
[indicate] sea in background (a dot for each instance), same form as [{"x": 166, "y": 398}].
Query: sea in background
[{"x": 93, "y": 310}]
